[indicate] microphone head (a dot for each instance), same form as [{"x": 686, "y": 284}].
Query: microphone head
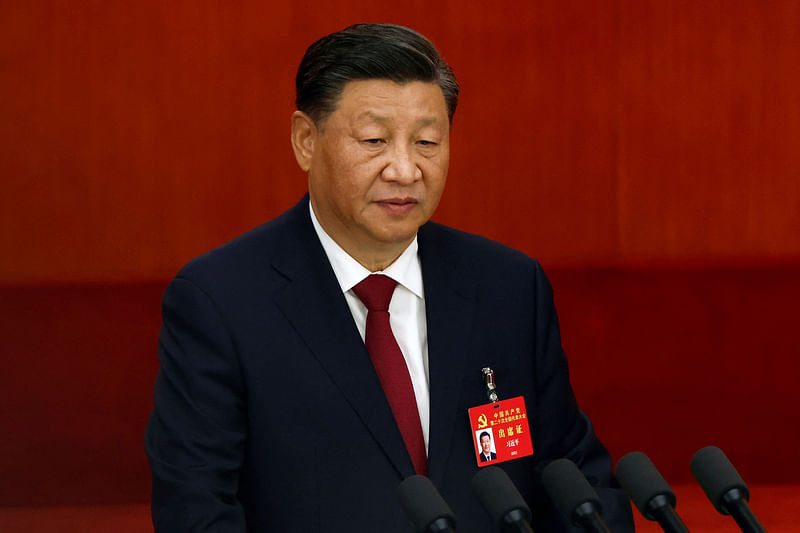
[
  {"x": 568, "y": 488},
  {"x": 498, "y": 495},
  {"x": 717, "y": 475},
  {"x": 639, "y": 477},
  {"x": 422, "y": 503}
]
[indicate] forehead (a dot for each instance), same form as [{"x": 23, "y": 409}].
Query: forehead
[{"x": 385, "y": 100}]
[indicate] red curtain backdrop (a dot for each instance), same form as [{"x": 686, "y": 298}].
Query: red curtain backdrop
[
  {"x": 647, "y": 151},
  {"x": 134, "y": 136}
]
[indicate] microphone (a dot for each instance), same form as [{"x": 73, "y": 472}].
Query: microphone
[
  {"x": 501, "y": 500},
  {"x": 649, "y": 491},
  {"x": 724, "y": 487},
  {"x": 424, "y": 506},
  {"x": 573, "y": 496}
]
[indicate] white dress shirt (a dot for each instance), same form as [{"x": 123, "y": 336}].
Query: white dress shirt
[{"x": 406, "y": 309}]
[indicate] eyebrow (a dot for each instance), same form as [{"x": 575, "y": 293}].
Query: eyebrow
[{"x": 381, "y": 119}]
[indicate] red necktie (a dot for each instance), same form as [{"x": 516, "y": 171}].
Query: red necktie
[{"x": 376, "y": 292}]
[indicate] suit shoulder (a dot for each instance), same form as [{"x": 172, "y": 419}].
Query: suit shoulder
[
  {"x": 242, "y": 248},
  {"x": 476, "y": 250},
  {"x": 241, "y": 258}
]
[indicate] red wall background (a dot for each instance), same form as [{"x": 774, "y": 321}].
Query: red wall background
[
  {"x": 634, "y": 135},
  {"x": 134, "y": 136}
]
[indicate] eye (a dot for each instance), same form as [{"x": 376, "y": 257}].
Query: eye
[
  {"x": 372, "y": 141},
  {"x": 426, "y": 143}
]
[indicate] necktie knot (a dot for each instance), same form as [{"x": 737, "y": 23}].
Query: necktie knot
[{"x": 375, "y": 291}]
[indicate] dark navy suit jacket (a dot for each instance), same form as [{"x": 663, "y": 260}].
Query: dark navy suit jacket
[{"x": 259, "y": 352}]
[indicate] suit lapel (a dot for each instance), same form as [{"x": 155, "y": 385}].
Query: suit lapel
[
  {"x": 328, "y": 330},
  {"x": 449, "y": 309}
]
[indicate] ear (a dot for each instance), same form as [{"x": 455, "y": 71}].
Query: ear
[{"x": 304, "y": 134}]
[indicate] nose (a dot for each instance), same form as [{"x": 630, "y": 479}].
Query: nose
[{"x": 402, "y": 166}]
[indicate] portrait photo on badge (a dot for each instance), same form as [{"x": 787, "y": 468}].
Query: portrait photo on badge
[{"x": 484, "y": 438}]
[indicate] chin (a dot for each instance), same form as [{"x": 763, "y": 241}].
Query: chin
[
  {"x": 393, "y": 232},
  {"x": 402, "y": 236}
]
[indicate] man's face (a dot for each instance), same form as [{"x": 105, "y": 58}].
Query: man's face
[
  {"x": 486, "y": 445},
  {"x": 379, "y": 164}
]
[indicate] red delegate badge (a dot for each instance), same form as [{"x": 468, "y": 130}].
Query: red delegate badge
[{"x": 500, "y": 431}]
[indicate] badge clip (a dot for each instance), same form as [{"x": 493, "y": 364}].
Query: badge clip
[{"x": 491, "y": 387}]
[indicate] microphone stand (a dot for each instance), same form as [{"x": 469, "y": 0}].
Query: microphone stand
[
  {"x": 515, "y": 522},
  {"x": 736, "y": 504},
  {"x": 666, "y": 516},
  {"x": 590, "y": 519}
]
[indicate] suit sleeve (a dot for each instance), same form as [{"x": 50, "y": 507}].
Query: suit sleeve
[
  {"x": 574, "y": 437},
  {"x": 196, "y": 433}
]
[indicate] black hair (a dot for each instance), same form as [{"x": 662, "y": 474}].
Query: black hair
[
  {"x": 368, "y": 51},
  {"x": 486, "y": 433}
]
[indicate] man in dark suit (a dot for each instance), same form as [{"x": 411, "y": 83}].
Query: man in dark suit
[
  {"x": 486, "y": 447},
  {"x": 350, "y": 332}
]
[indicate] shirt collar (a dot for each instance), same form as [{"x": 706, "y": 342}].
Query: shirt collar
[{"x": 405, "y": 270}]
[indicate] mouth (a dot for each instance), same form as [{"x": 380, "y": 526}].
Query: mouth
[{"x": 398, "y": 206}]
